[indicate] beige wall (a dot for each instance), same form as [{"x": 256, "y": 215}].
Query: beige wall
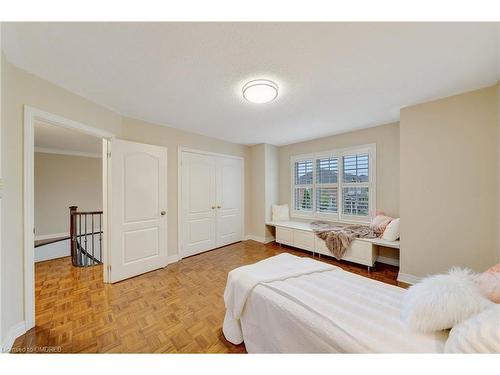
[
  {"x": 497, "y": 227},
  {"x": 62, "y": 181},
  {"x": 448, "y": 183},
  {"x": 264, "y": 189},
  {"x": 257, "y": 191},
  {"x": 272, "y": 169},
  {"x": 140, "y": 131}
]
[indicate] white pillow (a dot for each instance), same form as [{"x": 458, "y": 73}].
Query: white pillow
[
  {"x": 280, "y": 212},
  {"x": 391, "y": 232},
  {"x": 441, "y": 301},
  {"x": 478, "y": 334}
]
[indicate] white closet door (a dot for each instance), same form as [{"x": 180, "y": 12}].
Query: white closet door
[
  {"x": 138, "y": 208},
  {"x": 229, "y": 200},
  {"x": 198, "y": 203}
]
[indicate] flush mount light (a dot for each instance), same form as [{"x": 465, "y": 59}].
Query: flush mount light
[{"x": 260, "y": 91}]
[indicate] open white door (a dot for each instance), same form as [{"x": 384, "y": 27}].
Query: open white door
[{"x": 138, "y": 205}]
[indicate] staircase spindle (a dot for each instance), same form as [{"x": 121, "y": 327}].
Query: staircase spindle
[
  {"x": 93, "y": 253},
  {"x": 83, "y": 251}
]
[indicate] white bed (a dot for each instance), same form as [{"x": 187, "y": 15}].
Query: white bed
[{"x": 325, "y": 311}]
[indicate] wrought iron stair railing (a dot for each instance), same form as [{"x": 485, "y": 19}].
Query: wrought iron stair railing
[{"x": 85, "y": 237}]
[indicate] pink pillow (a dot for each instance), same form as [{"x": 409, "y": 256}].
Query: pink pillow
[
  {"x": 379, "y": 223},
  {"x": 489, "y": 283}
]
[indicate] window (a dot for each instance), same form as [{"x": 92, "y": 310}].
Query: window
[
  {"x": 303, "y": 185},
  {"x": 338, "y": 185},
  {"x": 327, "y": 172},
  {"x": 355, "y": 187}
]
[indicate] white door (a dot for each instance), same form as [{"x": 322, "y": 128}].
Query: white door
[
  {"x": 138, "y": 204},
  {"x": 211, "y": 202},
  {"x": 198, "y": 200},
  {"x": 229, "y": 200}
]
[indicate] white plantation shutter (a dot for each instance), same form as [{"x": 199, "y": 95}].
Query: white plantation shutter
[
  {"x": 303, "y": 190},
  {"x": 327, "y": 174},
  {"x": 355, "y": 201},
  {"x": 326, "y": 200},
  {"x": 355, "y": 190},
  {"x": 355, "y": 168},
  {"x": 327, "y": 170},
  {"x": 303, "y": 172},
  {"x": 303, "y": 199}
]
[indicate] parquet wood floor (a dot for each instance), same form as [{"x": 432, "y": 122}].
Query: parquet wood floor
[{"x": 178, "y": 309}]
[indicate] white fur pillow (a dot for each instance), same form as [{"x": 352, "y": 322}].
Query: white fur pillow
[
  {"x": 441, "y": 301},
  {"x": 478, "y": 334},
  {"x": 280, "y": 212}
]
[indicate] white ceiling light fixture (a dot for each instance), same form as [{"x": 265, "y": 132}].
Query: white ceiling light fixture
[{"x": 260, "y": 91}]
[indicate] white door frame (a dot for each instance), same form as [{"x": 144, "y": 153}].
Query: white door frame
[
  {"x": 31, "y": 115},
  {"x": 182, "y": 149}
]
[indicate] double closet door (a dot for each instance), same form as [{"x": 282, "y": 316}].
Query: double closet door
[{"x": 211, "y": 202}]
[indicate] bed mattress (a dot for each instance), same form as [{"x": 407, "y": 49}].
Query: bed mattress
[{"x": 330, "y": 312}]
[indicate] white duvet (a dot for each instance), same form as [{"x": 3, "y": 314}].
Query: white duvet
[
  {"x": 242, "y": 280},
  {"x": 324, "y": 311}
]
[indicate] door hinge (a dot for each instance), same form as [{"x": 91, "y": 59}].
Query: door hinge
[{"x": 109, "y": 154}]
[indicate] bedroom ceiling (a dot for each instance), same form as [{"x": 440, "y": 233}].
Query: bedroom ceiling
[
  {"x": 56, "y": 139},
  {"x": 333, "y": 77}
]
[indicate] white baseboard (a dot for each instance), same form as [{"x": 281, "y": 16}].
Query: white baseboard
[
  {"x": 50, "y": 236},
  {"x": 14, "y": 332},
  {"x": 387, "y": 260},
  {"x": 407, "y": 278},
  {"x": 270, "y": 239},
  {"x": 260, "y": 239},
  {"x": 173, "y": 258}
]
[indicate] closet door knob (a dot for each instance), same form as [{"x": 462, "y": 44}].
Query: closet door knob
[
  {"x": 218, "y": 206},
  {"x": 213, "y": 207},
  {"x": 163, "y": 213}
]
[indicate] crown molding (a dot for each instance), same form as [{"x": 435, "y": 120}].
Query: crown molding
[{"x": 47, "y": 150}]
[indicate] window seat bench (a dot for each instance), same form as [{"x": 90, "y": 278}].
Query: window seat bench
[{"x": 299, "y": 234}]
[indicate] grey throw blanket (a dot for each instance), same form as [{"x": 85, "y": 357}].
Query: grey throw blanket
[{"x": 338, "y": 238}]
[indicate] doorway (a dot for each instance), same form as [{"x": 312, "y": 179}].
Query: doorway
[
  {"x": 68, "y": 195},
  {"x": 132, "y": 226},
  {"x": 32, "y": 117}
]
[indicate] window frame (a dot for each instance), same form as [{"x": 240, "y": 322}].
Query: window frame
[{"x": 369, "y": 149}]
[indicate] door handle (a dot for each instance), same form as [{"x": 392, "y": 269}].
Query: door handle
[
  {"x": 218, "y": 206},
  {"x": 214, "y": 207},
  {"x": 163, "y": 213}
]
